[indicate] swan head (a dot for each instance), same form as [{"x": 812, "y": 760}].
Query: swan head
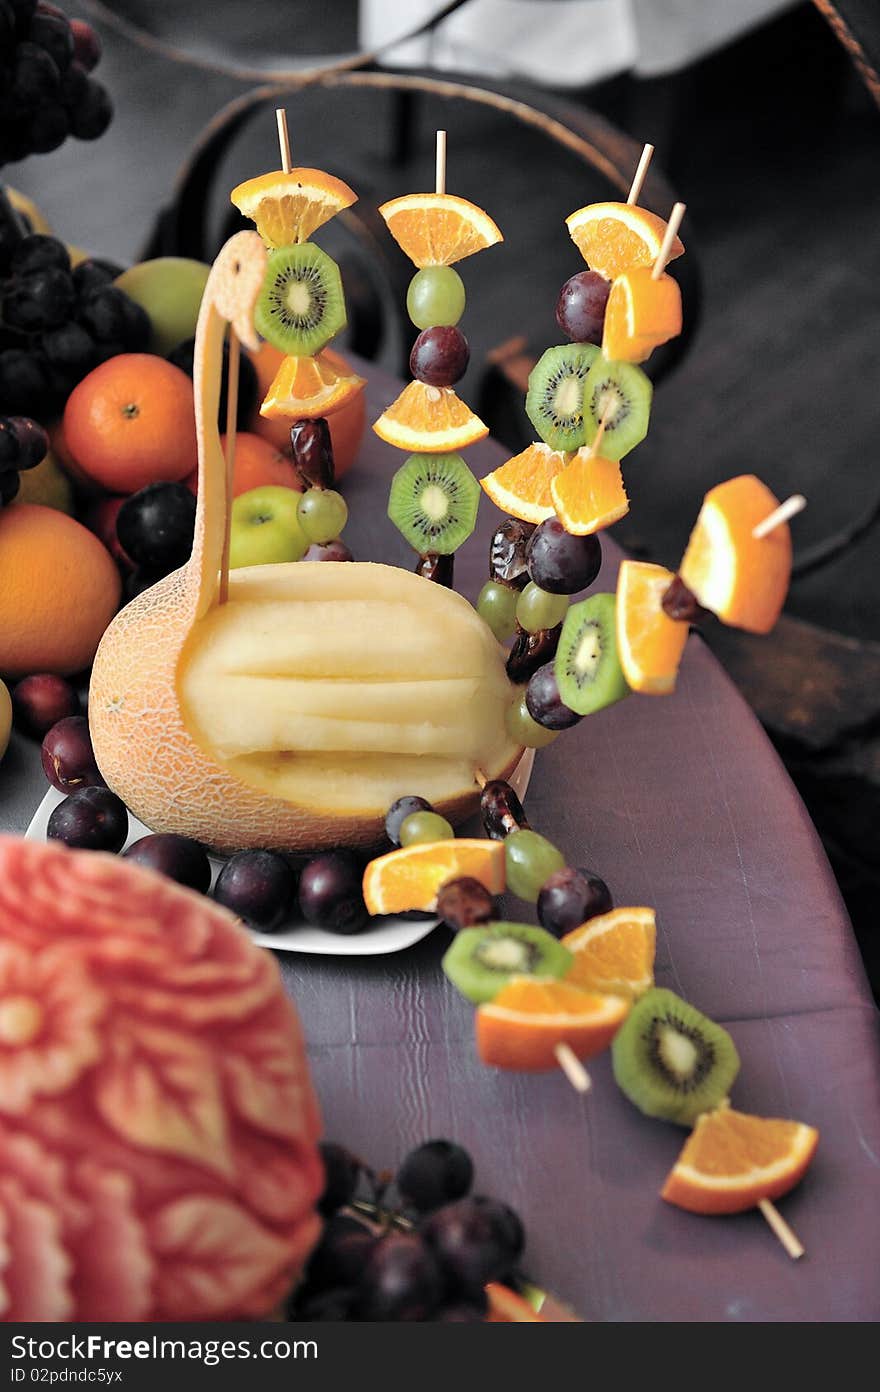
[{"x": 235, "y": 283}]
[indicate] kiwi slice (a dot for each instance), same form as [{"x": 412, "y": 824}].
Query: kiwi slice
[
  {"x": 670, "y": 1060},
  {"x": 301, "y": 305},
  {"x": 433, "y": 502},
  {"x": 482, "y": 960},
  {"x": 620, "y": 393},
  {"x": 555, "y": 400},
  {"x": 587, "y": 667}
]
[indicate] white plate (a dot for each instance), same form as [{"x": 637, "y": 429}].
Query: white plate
[{"x": 386, "y": 934}]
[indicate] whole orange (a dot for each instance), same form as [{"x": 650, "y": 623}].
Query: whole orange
[
  {"x": 346, "y": 425},
  {"x": 256, "y": 463},
  {"x": 132, "y": 422},
  {"x": 59, "y": 589}
]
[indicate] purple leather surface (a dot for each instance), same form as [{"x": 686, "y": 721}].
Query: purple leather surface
[{"x": 681, "y": 803}]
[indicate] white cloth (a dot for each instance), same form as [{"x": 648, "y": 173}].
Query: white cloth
[{"x": 561, "y": 43}]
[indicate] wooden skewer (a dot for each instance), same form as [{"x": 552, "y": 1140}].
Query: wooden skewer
[
  {"x": 283, "y": 138},
  {"x": 780, "y": 1228},
  {"x": 790, "y": 508},
  {"x": 232, "y": 375},
  {"x": 440, "y": 166},
  {"x": 480, "y": 778},
  {"x": 572, "y": 1067},
  {"x": 672, "y": 227},
  {"x": 639, "y": 176}
]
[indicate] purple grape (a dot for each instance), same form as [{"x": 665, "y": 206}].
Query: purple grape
[
  {"x": 33, "y": 442},
  {"x": 103, "y": 311},
  {"x": 570, "y": 897},
  {"x": 50, "y": 127},
  {"x": 39, "y": 253},
  {"x": 35, "y": 79},
  {"x": 560, "y": 562},
  {"x": 86, "y": 44},
  {"x": 501, "y": 810},
  {"x": 580, "y": 309},
  {"x": 24, "y": 381},
  {"x": 463, "y": 902},
  {"x": 507, "y": 552},
  {"x": 340, "y": 1257},
  {"x": 544, "y": 703},
  {"x": 401, "y": 1280},
  {"x": 475, "y": 1240},
  {"x": 67, "y": 756},
  {"x": 41, "y": 701},
  {"x": 71, "y": 349},
  {"x": 9, "y": 486},
  {"x": 52, "y": 32},
  {"x": 341, "y": 1171},
  {"x": 90, "y": 819},
  {"x": 312, "y": 450},
  {"x": 42, "y": 300},
  {"x": 434, "y": 1174},
  {"x": 155, "y": 526},
  {"x": 94, "y": 113},
  {"x": 439, "y": 356},
  {"x": 258, "y": 886},
  {"x": 179, "y": 858},
  {"x": 10, "y": 449},
  {"x": 74, "y": 86},
  {"x": 90, "y": 274},
  {"x": 331, "y": 893},
  {"x": 440, "y": 569},
  {"x": 330, "y": 551},
  {"x": 398, "y": 813}
]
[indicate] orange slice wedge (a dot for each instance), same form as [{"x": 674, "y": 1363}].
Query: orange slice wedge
[
  {"x": 438, "y": 229},
  {"x": 589, "y": 494},
  {"x": 289, "y": 207},
  {"x": 411, "y": 878},
  {"x": 741, "y": 578},
  {"x": 649, "y": 643},
  {"x": 309, "y": 386},
  {"x": 614, "y": 953},
  {"x": 732, "y": 1160},
  {"x": 522, "y": 486},
  {"x": 616, "y": 237},
  {"x": 506, "y": 1307},
  {"x": 531, "y": 1016},
  {"x": 641, "y": 313},
  {"x": 429, "y": 420}
]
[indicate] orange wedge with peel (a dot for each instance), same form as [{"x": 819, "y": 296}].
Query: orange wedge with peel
[
  {"x": 731, "y": 1161},
  {"x": 641, "y": 313},
  {"x": 429, "y": 420},
  {"x": 506, "y": 1307},
  {"x": 743, "y": 579},
  {"x": 310, "y": 386},
  {"x": 521, "y": 487},
  {"x": 614, "y": 953},
  {"x": 531, "y": 1016},
  {"x": 438, "y": 229},
  {"x": 589, "y": 494},
  {"x": 649, "y": 644},
  {"x": 289, "y": 207},
  {"x": 617, "y": 237},
  {"x": 412, "y": 877}
]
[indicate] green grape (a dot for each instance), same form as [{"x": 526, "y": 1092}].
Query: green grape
[
  {"x": 424, "y": 826},
  {"x": 537, "y": 608},
  {"x": 496, "y": 604},
  {"x": 435, "y": 297},
  {"x": 322, "y": 514},
  {"x": 523, "y": 729},
  {"x": 530, "y": 861}
]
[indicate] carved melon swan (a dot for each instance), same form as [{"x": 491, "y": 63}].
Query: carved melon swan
[{"x": 292, "y": 715}]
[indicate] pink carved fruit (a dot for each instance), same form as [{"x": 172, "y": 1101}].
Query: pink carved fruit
[{"x": 158, "y": 1127}]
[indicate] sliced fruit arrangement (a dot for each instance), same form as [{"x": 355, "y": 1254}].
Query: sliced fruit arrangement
[
  {"x": 614, "y": 238},
  {"x": 300, "y": 308},
  {"x": 428, "y": 418},
  {"x": 529, "y": 1019}
]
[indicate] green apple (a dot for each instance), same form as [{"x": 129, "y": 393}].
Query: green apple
[
  {"x": 48, "y": 485},
  {"x": 5, "y": 717},
  {"x": 265, "y": 527},
  {"x": 170, "y": 289}
]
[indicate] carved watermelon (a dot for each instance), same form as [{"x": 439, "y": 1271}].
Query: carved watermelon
[{"x": 157, "y": 1122}]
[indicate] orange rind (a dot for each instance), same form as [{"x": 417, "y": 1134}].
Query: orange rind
[{"x": 438, "y": 229}]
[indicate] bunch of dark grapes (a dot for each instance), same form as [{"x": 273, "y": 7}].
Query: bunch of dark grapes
[
  {"x": 430, "y": 1258},
  {"x": 46, "y": 92},
  {"x": 57, "y": 322},
  {"x": 23, "y": 444}
]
